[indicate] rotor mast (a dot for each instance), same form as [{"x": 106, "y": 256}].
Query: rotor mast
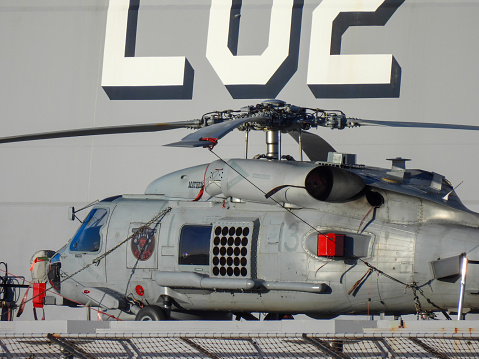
[{"x": 273, "y": 147}]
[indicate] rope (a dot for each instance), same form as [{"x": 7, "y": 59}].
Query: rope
[
  {"x": 359, "y": 282},
  {"x": 364, "y": 218}
]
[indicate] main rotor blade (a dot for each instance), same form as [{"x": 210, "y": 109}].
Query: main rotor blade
[
  {"x": 315, "y": 147},
  {"x": 415, "y": 124},
  {"x": 216, "y": 131},
  {"x": 102, "y": 131}
]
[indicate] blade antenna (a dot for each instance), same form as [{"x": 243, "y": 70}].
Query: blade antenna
[{"x": 446, "y": 197}]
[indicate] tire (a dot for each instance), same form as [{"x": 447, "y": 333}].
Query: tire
[{"x": 150, "y": 313}]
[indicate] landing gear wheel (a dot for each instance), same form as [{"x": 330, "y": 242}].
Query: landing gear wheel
[{"x": 150, "y": 313}]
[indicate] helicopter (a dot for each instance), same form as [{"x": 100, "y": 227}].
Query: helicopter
[{"x": 322, "y": 237}]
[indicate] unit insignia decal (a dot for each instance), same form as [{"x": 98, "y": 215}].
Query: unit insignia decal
[{"x": 143, "y": 243}]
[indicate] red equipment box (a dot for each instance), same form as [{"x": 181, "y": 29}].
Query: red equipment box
[
  {"x": 331, "y": 245},
  {"x": 38, "y": 294}
]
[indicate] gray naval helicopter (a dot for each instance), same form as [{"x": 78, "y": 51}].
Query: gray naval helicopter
[{"x": 273, "y": 235}]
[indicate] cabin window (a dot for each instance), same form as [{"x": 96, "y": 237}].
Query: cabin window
[
  {"x": 194, "y": 248},
  {"x": 88, "y": 236}
]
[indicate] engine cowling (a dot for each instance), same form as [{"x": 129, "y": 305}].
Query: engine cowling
[
  {"x": 333, "y": 184},
  {"x": 297, "y": 183}
]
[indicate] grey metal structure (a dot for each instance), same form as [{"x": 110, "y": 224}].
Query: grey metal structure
[
  {"x": 288, "y": 339},
  {"x": 108, "y": 63}
]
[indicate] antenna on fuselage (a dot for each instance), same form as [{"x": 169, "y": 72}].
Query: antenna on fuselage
[{"x": 446, "y": 197}]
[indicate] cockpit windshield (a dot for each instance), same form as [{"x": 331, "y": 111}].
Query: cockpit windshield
[{"x": 88, "y": 236}]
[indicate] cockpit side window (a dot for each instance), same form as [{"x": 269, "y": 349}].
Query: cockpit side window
[
  {"x": 194, "y": 248},
  {"x": 88, "y": 236}
]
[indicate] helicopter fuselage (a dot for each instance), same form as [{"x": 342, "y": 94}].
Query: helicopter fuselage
[{"x": 379, "y": 251}]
